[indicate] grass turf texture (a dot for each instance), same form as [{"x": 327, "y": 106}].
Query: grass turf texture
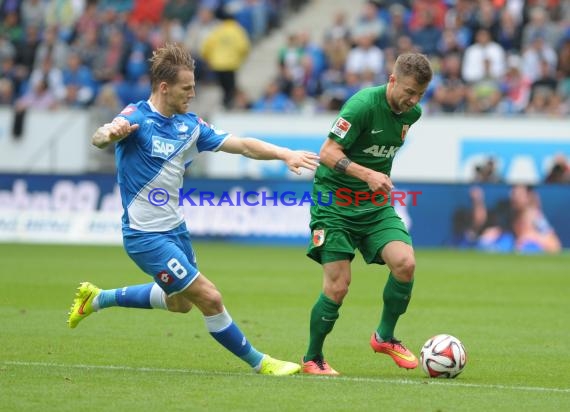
[{"x": 511, "y": 312}]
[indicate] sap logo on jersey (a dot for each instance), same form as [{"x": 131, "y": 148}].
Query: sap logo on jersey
[
  {"x": 382, "y": 151},
  {"x": 163, "y": 148}
]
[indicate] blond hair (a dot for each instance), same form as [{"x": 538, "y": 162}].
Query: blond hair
[{"x": 167, "y": 61}]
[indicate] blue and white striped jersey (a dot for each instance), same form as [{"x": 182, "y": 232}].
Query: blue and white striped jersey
[{"x": 155, "y": 156}]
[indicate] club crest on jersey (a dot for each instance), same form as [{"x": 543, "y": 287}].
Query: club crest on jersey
[
  {"x": 341, "y": 127},
  {"x": 163, "y": 148},
  {"x": 405, "y": 129},
  {"x": 181, "y": 127},
  {"x": 318, "y": 237}
]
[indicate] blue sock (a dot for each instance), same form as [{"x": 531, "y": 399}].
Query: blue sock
[
  {"x": 147, "y": 296},
  {"x": 226, "y": 332}
]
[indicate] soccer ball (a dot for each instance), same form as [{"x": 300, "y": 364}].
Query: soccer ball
[{"x": 443, "y": 356}]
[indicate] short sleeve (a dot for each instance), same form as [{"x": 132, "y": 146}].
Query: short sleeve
[
  {"x": 210, "y": 138},
  {"x": 351, "y": 120}
]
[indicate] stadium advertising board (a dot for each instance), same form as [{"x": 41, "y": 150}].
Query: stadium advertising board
[{"x": 87, "y": 209}]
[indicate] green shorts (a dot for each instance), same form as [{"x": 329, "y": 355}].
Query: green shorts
[{"x": 337, "y": 237}]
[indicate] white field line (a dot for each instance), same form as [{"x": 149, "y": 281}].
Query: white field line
[{"x": 444, "y": 382}]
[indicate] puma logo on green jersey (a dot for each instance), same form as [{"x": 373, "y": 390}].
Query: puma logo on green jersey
[{"x": 382, "y": 151}]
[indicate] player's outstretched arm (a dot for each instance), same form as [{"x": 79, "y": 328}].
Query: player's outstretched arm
[
  {"x": 332, "y": 155},
  {"x": 260, "y": 150},
  {"x": 112, "y": 132}
]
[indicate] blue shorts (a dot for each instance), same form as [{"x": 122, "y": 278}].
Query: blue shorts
[{"x": 166, "y": 256}]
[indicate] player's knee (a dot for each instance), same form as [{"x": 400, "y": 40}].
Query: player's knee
[
  {"x": 404, "y": 269},
  {"x": 211, "y": 300},
  {"x": 337, "y": 291}
]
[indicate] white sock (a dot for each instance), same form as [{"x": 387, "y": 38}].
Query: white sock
[{"x": 157, "y": 298}]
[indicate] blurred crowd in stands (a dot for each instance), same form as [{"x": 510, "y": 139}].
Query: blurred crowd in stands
[
  {"x": 76, "y": 53},
  {"x": 490, "y": 56}
]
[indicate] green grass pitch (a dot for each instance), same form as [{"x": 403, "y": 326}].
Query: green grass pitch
[{"x": 511, "y": 312}]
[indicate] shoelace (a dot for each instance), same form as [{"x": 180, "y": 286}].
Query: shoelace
[
  {"x": 397, "y": 342},
  {"x": 320, "y": 363}
]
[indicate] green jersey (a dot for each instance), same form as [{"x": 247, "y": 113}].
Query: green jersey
[{"x": 371, "y": 135}]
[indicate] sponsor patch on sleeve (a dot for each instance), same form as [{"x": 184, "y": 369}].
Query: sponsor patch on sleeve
[
  {"x": 341, "y": 127},
  {"x": 128, "y": 110}
]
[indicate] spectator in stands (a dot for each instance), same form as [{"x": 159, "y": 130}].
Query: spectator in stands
[
  {"x": 197, "y": 31},
  {"x": 483, "y": 59},
  {"x": 533, "y": 233},
  {"x": 365, "y": 56},
  {"x": 32, "y": 13},
  {"x": 340, "y": 28},
  {"x": 404, "y": 44},
  {"x": 398, "y": 25},
  {"x": 27, "y": 48},
  {"x": 80, "y": 85},
  {"x": 7, "y": 48},
  {"x": 546, "y": 79},
  {"x": 168, "y": 31},
  {"x": 449, "y": 43},
  {"x": 289, "y": 55},
  {"x": 559, "y": 171},
  {"x": 273, "y": 100},
  {"x": 146, "y": 11},
  {"x": 302, "y": 102},
  {"x": 509, "y": 32},
  {"x": 427, "y": 35},
  {"x": 545, "y": 101},
  {"x": 487, "y": 172},
  {"x": 450, "y": 94},
  {"x": 484, "y": 95},
  {"x": 11, "y": 28},
  {"x": 540, "y": 25},
  {"x": 516, "y": 88},
  {"x": 88, "y": 21},
  {"x": 537, "y": 52},
  {"x": 437, "y": 7},
  {"x": 336, "y": 51},
  {"x": 242, "y": 101},
  {"x": 310, "y": 76},
  {"x": 225, "y": 50},
  {"x": 252, "y": 15},
  {"x": 107, "y": 65},
  {"x": 138, "y": 51},
  {"x": 313, "y": 49},
  {"x": 368, "y": 22},
  {"x": 181, "y": 10},
  {"x": 47, "y": 74},
  {"x": 63, "y": 14},
  {"x": 86, "y": 45},
  {"x": 52, "y": 46},
  {"x": 516, "y": 224},
  {"x": 39, "y": 96},
  {"x": 486, "y": 18}
]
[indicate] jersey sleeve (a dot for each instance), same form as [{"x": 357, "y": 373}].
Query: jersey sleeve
[
  {"x": 351, "y": 120},
  {"x": 133, "y": 115},
  {"x": 210, "y": 138}
]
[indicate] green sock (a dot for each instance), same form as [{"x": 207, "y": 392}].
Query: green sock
[
  {"x": 396, "y": 297},
  {"x": 323, "y": 318}
]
